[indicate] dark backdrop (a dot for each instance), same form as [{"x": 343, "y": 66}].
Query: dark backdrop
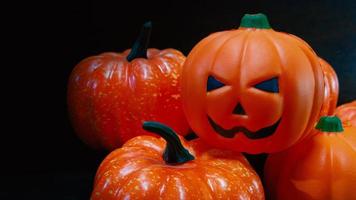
[{"x": 43, "y": 159}]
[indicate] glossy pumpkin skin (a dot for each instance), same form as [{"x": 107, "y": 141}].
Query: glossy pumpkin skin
[
  {"x": 331, "y": 92},
  {"x": 240, "y": 59},
  {"x": 347, "y": 113},
  {"x": 322, "y": 167},
  {"x": 109, "y": 97},
  {"x": 138, "y": 171}
]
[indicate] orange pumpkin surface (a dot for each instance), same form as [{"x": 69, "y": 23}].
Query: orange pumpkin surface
[
  {"x": 255, "y": 90},
  {"x": 347, "y": 113},
  {"x": 320, "y": 168},
  {"x": 187, "y": 170},
  {"x": 110, "y": 95},
  {"x": 331, "y": 91}
]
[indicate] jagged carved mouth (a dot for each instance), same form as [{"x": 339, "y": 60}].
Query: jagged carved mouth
[{"x": 262, "y": 133}]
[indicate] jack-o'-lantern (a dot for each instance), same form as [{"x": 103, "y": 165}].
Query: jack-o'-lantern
[{"x": 252, "y": 89}]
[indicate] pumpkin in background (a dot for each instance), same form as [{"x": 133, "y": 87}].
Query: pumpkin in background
[
  {"x": 149, "y": 168},
  {"x": 110, "y": 95},
  {"x": 254, "y": 89},
  {"x": 347, "y": 113},
  {"x": 331, "y": 92},
  {"x": 321, "y": 167}
]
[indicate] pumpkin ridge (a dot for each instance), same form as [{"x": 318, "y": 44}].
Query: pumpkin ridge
[
  {"x": 283, "y": 39},
  {"x": 116, "y": 69},
  {"x": 112, "y": 170},
  {"x": 204, "y": 43},
  {"x": 119, "y": 163},
  {"x": 202, "y": 184},
  {"x": 204, "y": 168},
  {"x": 221, "y": 47},
  {"x": 113, "y": 157},
  {"x": 237, "y": 176},
  {"x": 145, "y": 142},
  {"x": 244, "y": 49},
  {"x": 172, "y": 175},
  {"x": 318, "y": 79},
  {"x": 202, "y": 176},
  {"x": 93, "y": 101},
  {"x": 317, "y": 72},
  {"x": 269, "y": 39},
  {"x": 213, "y": 188},
  {"x": 128, "y": 178},
  {"x": 221, "y": 168},
  {"x": 331, "y": 156},
  {"x": 306, "y": 49},
  {"x": 96, "y": 102},
  {"x": 89, "y": 95}
]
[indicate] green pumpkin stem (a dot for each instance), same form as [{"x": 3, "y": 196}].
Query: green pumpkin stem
[
  {"x": 259, "y": 21},
  {"x": 329, "y": 124},
  {"x": 174, "y": 153},
  {"x": 139, "y": 48}
]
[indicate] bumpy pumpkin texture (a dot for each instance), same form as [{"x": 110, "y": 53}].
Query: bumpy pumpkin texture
[
  {"x": 110, "y": 95},
  {"x": 254, "y": 89},
  {"x": 322, "y": 167},
  {"x": 149, "y": 168}
]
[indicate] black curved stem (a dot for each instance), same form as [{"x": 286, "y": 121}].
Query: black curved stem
[
  {"x": 174, "y": 153},
  {"x": 139, "y": 48}
]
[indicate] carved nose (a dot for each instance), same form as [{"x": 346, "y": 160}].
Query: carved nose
[{"x": 239, "y": 110}]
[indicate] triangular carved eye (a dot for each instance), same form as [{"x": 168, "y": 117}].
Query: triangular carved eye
[
  {"x": 213, "y": 84},
  {"x": 270, "y": 85}
]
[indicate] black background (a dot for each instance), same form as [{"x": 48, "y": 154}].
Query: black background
[{"x": 42, "y": 157}]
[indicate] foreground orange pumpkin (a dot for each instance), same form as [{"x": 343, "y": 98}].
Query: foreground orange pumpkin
[
  {"x": 110, "y": 95},
  {"x": 149, "y": 168},
  {"x": 347, "y": 113},
  {"x": 254, "y": 89},
  {"x": 322, "y": 167}
]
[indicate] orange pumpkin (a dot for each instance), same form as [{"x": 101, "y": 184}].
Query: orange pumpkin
[
  {"x": 110, "y": 95},
  {"x": 255, "y": 90},
  {"x": 322, "y": 167},
  {"x": 149, "y": 168},
  {"x": 331, "y": 91},
  {"x": 347, "y": 113}
]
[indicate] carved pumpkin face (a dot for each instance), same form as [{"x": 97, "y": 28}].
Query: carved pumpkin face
[{"x": 252, "y": 89}]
